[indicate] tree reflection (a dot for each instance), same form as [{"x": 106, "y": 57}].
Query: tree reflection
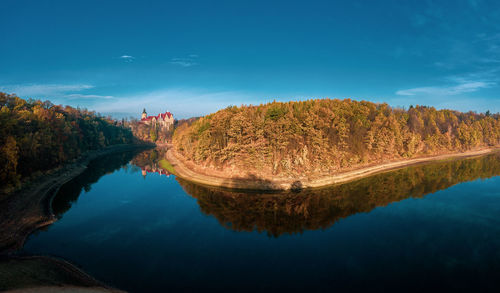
[
  {"x": 293, "y": 212},
  {"x": 152, "y": 161},
  {"x": 69, "y": 193},
  {"x": 279, "y": 213}
]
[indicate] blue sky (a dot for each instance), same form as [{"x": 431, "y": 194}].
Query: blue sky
[{"x": 195, "y": 57}]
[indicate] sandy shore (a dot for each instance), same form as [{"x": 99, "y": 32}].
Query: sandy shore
[{"x": 183, "y": 171}]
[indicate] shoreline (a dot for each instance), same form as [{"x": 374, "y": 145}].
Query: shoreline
[
  {"x": 269, "y": 184},
  {"x": 46, "y": 274},
  {"x": 29, "y": 208}
]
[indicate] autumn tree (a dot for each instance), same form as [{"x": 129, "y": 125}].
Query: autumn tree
[{"x": 315, "y": 137}]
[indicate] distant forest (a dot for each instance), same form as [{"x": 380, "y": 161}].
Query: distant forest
[
  {"x": 153, "y": 133},
  {"x": 150, "y": 133},
  {"x": 36, "y": 136},
  {"x": 323, "y": 136}
]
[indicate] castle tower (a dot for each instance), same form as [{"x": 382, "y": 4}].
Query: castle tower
[{"x": 144, "y": 114}]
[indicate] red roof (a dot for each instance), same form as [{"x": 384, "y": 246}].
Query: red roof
[
  {"x": 166, "y": 114},
  {"x": 158, "y": 170},
  {"x": 162, "y": 115}
]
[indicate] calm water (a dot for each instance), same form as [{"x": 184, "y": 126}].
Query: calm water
[{"x": 433, "y": 226}]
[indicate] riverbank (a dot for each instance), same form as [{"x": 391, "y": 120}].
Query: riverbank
[
  {"x": 29, "y": 208},
  {"x": 46, "y": 274},
  {"x": 256, "y": 183}
]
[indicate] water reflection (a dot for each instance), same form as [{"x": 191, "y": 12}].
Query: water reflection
[
  {"x": 130, "y": 231},
  {"x": 69, "y": 193},
  {"x": 292, "y": 212},
  {"x": 152, "y": 161}
]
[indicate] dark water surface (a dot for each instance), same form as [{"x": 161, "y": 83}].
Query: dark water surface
[{"x": 427, "y": 227}]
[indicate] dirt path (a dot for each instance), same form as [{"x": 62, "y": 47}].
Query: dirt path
[{"x": 183, "y": 171}]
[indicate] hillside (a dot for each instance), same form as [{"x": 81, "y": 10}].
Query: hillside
[
  {"x": 37, "y": 136},
  {"x": 150, "y": 133},
  {"x": 153, "y": 134},
  {"x": 321, "y": 137}
]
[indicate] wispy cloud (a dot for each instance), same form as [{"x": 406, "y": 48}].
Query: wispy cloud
[
  {"x": 56, "y": 92},
  {"x": 189, "y": 61},
  {"x": 183, "y": 103},
  {"x": 127, "y": 58},
  {"x": 81, "y": 96},
  {"x": 28, "y": 90},
  {"x": 463, "y": 86}
]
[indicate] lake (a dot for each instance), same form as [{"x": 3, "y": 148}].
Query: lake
[{"x": 129, "y": 224}]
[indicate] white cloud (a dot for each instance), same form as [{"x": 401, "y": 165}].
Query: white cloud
[
  {"x": 458, "y": 103},
  {"x": 185, "y": 62},
  {"x": 463, "y": 87},
  {"x": 80, "y": 96},
  {"x": 57, "y": 92},
  {"x": 454, "y": 94},
  {"x": 183, "y": 103},
  {"x": 34, "y": 90},
  {"x": 127, "y": 58}
]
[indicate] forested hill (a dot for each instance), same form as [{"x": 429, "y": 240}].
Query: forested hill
[
  {"x": 323, "y": 136},
  {"x": 36, "y": 136}
]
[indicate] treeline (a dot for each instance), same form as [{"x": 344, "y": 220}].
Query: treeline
[
  {"x": 150, "y": 133},
  {"x": 155, "y": 134},
  {"x": 36, "y": 136},
  {"x": 322, "y": 136}
]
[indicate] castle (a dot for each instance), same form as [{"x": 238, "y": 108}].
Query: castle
[
  {"x": 162, "y": 120},
  {"x": 148, "y": 169}
]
